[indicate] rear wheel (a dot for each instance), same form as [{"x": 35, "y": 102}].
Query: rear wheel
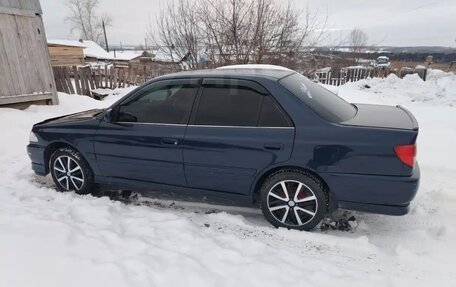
[
  {"x": 70, "y": 171},
  {"x": 293, "y": 199}
]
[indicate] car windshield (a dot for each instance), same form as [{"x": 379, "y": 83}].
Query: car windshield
[
  {"x": 382, "y": 61},
  {"x": 322, "y": 101}
]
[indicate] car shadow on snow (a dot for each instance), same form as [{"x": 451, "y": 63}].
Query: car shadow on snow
[{"x": 340, "y": 220}]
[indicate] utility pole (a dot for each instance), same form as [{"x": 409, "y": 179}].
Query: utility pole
[{"x": 106, "y": 38}]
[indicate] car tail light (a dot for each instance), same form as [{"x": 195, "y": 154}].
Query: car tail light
[{"x": 406, "y": 154}]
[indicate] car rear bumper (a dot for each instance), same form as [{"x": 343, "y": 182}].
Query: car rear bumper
[
  {"x": 375, "y": 208},
  {"x": 36, "y": 154},
  {"x": 372, "y": 193}
]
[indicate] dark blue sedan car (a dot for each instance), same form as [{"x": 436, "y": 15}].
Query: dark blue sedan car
[{"x": 246, "y": 136}]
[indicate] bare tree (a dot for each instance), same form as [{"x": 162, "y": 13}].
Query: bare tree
[
  {"x": 227, "y": 29},
  {"x": 176, "y": 34},
  {"x": 85, "y": 20},
  {"x": 357, "y": 40},
  {"x": 235, "y": 31}
]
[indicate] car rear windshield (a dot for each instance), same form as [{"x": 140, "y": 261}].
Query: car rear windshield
[{"x": 322, "y": 101}]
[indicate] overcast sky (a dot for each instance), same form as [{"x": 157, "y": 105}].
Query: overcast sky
[{"x": 386, "y": 22}]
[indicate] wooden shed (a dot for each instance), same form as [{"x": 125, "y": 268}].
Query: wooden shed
[
  {"x": 66, "y": 53},
  {"x": 25, "y": 70}
]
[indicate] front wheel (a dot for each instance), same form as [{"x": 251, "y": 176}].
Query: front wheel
[
  {"x": 70, "y": 171},
  {"x": 293, "y": 199}
]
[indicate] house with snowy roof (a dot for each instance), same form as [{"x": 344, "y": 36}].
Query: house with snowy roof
[{"x": 75, "y": 53}]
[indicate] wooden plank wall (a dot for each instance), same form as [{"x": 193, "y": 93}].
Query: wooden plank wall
[
  {"x": 25, "y": 71},
  {"x": 66, "y": 55},
  {"x": 28, "y": 5}
]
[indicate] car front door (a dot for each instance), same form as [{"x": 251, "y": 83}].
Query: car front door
[
  {"x": 236, "y": 130},
  {"x": 144, "y": 139}
]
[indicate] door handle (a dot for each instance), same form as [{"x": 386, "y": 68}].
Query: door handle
[
  {"x": 169, "y": 141},
  {"x": 273, "y": 146}
]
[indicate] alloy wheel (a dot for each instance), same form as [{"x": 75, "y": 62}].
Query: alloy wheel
[
  {"x": 68, "y": 173},
  {"x": 292, "y": 203}
]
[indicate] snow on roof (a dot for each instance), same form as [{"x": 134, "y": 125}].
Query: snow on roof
[
  {"x": 125, "y": 55},
  {"x": 71, "y": 43},
  {"x": 93, "y": 50},
  {"x": 254, "y": 66}
]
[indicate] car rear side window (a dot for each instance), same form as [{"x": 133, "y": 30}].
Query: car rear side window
[
  {"x": 238, "y": 105},
  {"x": 165, "y": 103},
  {"x": 322, "y": 101},
  {"x": 228, "y": 106},
  {"x": 271, "y": 115}
]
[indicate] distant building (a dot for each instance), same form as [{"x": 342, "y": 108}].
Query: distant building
[
  {"x": 66, "y": 53},
  {"x": 75, "y": 53}
]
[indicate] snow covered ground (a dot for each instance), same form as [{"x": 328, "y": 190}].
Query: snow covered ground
[{"x": 62, "y": 239}]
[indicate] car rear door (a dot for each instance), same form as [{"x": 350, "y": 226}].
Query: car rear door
[
  {"x": 236, "y": 130},
  {"x": 144, "y": 141}
]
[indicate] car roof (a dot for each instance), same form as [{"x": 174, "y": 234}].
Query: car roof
[
  {"x": 254, "y": 66},
  {"x": 233, "y": 72}
]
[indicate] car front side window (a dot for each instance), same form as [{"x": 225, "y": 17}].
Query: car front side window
[{"x": 166, "y": 103}]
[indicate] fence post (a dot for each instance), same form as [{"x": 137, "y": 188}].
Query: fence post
[
  {"x": 76, "y": 80},
  {"x": 114, "y": 72},
  {"x": 68, "y": 80},
  {"x": 58, "y": 84},
  {"x": 85, "y": 81}
]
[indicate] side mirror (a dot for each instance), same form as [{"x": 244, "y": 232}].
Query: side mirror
[{"x": 108, "y": 116}]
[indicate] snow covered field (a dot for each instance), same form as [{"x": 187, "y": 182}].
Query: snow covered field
[{"x": 62, "y": 239}]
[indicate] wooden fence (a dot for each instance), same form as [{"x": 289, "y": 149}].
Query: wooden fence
[
  {"x": 84, "y": 80},
  {"x": 344, "y": 75},
  {"x": 327, "y": 79},
  {"x": 350, "y": 74}
]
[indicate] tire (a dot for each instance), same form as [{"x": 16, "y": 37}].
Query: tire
[
  {"x": 293, "y": 199},
  {"x": 80, "y": 176}
]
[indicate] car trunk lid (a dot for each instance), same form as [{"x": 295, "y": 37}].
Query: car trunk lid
[{"x": 392, "y": 117}]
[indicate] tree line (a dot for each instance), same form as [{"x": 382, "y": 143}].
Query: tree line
[
  {"x": 221, "y": 32},
  {"x": 211, "y": 33}
]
